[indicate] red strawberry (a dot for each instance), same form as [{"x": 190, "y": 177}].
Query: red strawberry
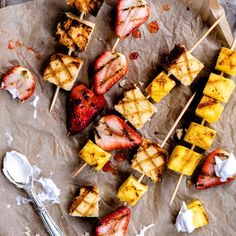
[
  {"x": 207, "y": 177},
  {"x": 84, "y": 106},
  {"x": 130, "y": 15},
  {"x": 19, "y": 82},
  {"x": 110, "y": 67},
  {"x": 113, "y": 133},
  {"x": 115, "y": 224}
]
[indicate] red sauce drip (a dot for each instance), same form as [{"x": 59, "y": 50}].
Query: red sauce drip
[
  {"x": 166, "y": 7},
  {"x": 109, "y": 167},
  {"x": 153, "y": 27},
  {"x": 119, "y": 156},
  {"x": 133, "y": 55},
  {"x": 11, "y": 44},
  {"x": 136, "y": 34}
]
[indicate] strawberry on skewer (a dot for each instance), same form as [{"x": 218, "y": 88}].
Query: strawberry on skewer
[
  {"x": 114, "y": 224},
  {"x": 19, "y": 82},
  {"x": 110, "y": 67},
  {"x": 84, "y": 106}
]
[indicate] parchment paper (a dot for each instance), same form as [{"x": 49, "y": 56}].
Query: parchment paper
[{"x": 44, "y": 139}]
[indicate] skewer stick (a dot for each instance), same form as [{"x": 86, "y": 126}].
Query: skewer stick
[
  {"x": 115, "y": 45},
  {"x": 206, "y": 33},
  {"x": 80, "y": 169},
  {"x": 173, "y": 127},
  {"x": 182, "y": 175}
]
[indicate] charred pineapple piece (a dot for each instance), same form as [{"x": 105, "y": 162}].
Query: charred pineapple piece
[
  {"x": 199, "y": 215},
  {"x": 131, "y": 191},
  {"x": 200, "y": 136},
  {"x": 135, "y": 107},
  {"x": 73, "y": 32},
  {"x": 87, "y": 6},
  {"x": 184, "y": 66},
  {"x": 160, "y": 87},
  {"x": 227, "y": 61},
  {"x": 150, "y": 160},
  {"x": 62, "y": 70},
  {"x": 209, "y": 109},
  {"x": 219, "y": 88},
  {"x": 86, "y": 204},
  {"x": 183, "y": 162},
  {"x": 94, "y": 155}
]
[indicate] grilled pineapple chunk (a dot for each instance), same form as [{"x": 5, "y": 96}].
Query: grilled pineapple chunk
[
  {"x": 182, "y": 161},
  {"x": 131, "y": 191},
  {"x": 94, "y": 155},
  {"x": 200, "y": 136},
  {"x": 209, "y": 109},
  {"x": 86, "y": 204},
  {"x": 199, "y": 215},
  {"x": 160, "y": 87},
  {"x": 219, "y": 88},
  {"x": 87, "y": 6},
  {"x": 62, "y": 70},
  {"x": 135, "y": 107},
  {"x": 183, "y": 65},
  {"x": 150, "y": 160},
  {"x": 227, "y": 61},
  {"x": 73, "y": 32}
]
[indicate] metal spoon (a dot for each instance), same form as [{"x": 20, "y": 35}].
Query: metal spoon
[{"x": 18, "y": 171}]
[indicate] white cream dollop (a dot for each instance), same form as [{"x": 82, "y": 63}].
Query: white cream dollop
[
  {"x": 144, "y": 229},
  {"x": 225, "y": 169},
  {"x": 184, "y": 220}
]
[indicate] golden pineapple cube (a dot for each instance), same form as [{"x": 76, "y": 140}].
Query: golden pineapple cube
[
  {"x": 183, "y": 65},
  {"x": 131, "y": 191},
  {"x": 219, "y": 88},
  {"x": 150, "y": 160},
  {"x": 227, "y": 61},
  {"x": 182, "y": 161},
  {"x": 86, "y": 203},
  {"x": 160, "y": 87},
  {"x": 135, "y": 107},
  {"x": 200, "y": 135},
  {"x": 199, "y": 215},
  {"x": 62, "y": 70},
  {"x": 94, "y": 155},
  {"x": 74, "y": 33},
  {"x": 209, "y": 109}
]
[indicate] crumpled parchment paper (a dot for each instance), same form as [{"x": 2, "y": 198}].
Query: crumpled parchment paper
[{"x": 43, "y": 140}]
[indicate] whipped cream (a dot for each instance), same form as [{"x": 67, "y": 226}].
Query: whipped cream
[
  {"x": 9, "y": 138},
  {"x": 144, "y": 229},
  {"x": 34, "y": 104},
  {"x": 184, "y": 220},
  {"x": 14, "y": 92},
  {"x": 225, "y": 169}
]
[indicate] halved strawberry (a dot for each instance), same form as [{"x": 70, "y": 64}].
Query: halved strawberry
[
  {"x": 84, "y": 106},
  {"x": 130, "y": 15},
  {"x": 112, "y": 133},
  {"x": 207, "y": 177},
  {"x": 19, "y": 82},
  {"x": 115, "y": 224},
  {"x": 110, "y": 67}
]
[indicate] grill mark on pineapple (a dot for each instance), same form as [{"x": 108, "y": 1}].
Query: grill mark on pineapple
[{"x": 207, "y": 103}]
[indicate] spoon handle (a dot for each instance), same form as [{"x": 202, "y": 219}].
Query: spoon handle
[{"x": 51, "y": 226}]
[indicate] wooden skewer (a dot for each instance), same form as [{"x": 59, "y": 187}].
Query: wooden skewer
[
  {"x": 173, "y": 127},
  {"x": 115, "y": 45},
  {"x": 206, "y": 33},
  {"x": 182, "y": 175},
  {"x": 80, "y": 169}
]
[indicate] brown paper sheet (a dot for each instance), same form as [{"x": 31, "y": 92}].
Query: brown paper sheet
[{"x": 44, "y": 139}]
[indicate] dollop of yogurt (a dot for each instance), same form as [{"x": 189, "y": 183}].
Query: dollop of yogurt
[
  {"x": 225, "y": 169},
  {"x": 184, "y": 220}
]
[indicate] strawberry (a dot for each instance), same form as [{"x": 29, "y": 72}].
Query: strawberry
[
  {"x": 112, "y": 133},
  {"x": 19, "y": 82},
  {"x": 115, "y": 224},
  {"x": 207, "y": 177},
  {"x": 110, "y": 67},
  {"x": 84, "y": 106},
  {"x": 130, "y": 15}
]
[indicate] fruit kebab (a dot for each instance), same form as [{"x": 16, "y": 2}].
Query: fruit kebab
[
  {"x": 218, "y": 89},
  {"x": 181, "y": 64},
  {"x": 74, "y": 33}
]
